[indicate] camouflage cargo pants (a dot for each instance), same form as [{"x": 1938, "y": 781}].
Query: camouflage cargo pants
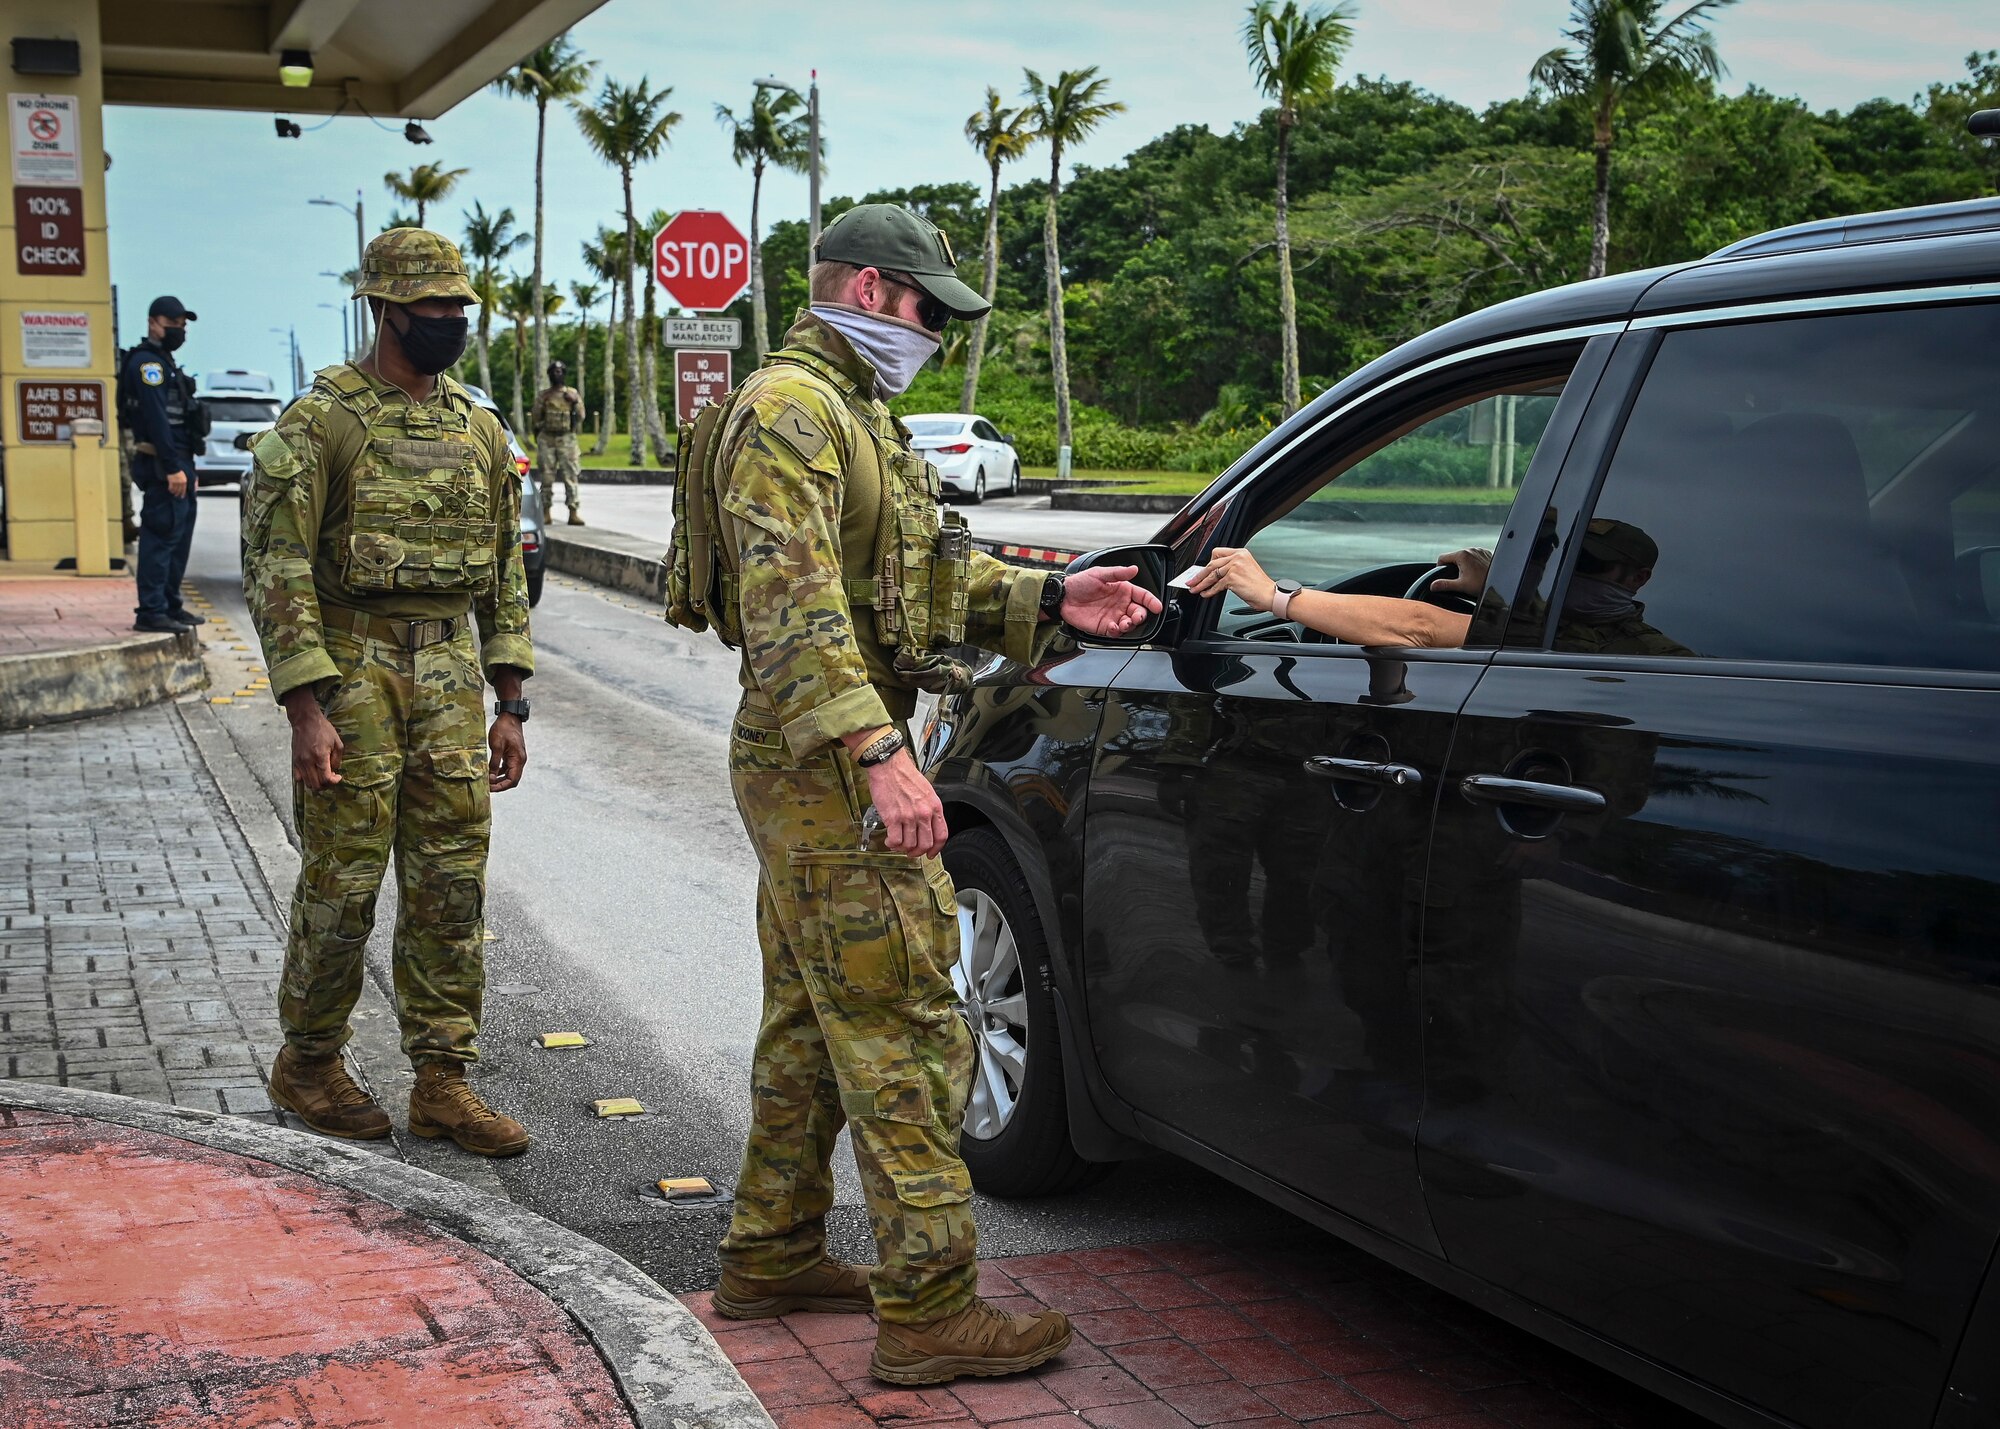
[
  {"x": 861, "y": 1026},
  {"x": 557, "y": 459},
  {"x": 412, "y": 779}
]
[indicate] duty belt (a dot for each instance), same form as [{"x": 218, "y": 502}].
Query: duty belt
[{"x": 409, "y": 634}]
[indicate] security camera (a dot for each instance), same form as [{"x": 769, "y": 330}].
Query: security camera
[
  {"x": 287, "y": 129},
  {"x": 414, "y": 132}
]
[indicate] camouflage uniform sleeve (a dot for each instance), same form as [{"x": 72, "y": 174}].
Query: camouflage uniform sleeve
[
  {"x": 502, "y": 612},
  {"x": 280, "y": 534},
  {"x": 1003, "y": 609},
  {"x": 781, "y": 514}
]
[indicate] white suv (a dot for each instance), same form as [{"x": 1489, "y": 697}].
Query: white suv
[{"x": 238, "y": 401}]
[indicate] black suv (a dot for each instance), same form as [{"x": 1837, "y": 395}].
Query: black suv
[{"x": 1643, "y": 989}]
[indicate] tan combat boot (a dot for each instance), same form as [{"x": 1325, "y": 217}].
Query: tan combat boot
[
  {"x": 443, "y": 1103},
  {"x": 829, "y": 1286},
  {"x": 575, "y": 517},
  {"x": 978, "y": 1340},
  {"x": 321, "y": 1094}
]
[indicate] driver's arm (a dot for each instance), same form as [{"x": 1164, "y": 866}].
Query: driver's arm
[{"x": 1359, "y": 619}]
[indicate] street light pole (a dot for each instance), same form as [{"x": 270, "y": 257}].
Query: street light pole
[
  {"x": 342, "y": 310},
  {"x": 360, "y": 251}
]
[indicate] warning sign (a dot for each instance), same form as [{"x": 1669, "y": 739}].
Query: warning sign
[
  {"x": 701, "y": 379},
  {"x": 55, "y": 339},
  {"x": 48, "y": 231},
  {"x": 47, "y": 147},
  {"x": 46, "y": 410}
]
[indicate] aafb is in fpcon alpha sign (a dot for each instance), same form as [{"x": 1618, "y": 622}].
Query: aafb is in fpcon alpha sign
[{"x": 702, "y": 260}]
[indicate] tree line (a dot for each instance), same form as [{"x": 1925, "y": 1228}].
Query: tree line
[{"x": 1166, "y": 309}]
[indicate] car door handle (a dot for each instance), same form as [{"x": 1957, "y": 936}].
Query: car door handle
[
  {"x": 1365, "y": 771},
  {"x": 1499, "y": 789}
]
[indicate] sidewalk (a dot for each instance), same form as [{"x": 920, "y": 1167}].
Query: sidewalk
[{"x": 68, "y": 650}]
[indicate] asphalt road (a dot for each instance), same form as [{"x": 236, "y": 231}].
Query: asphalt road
[{"x": 620, "y": 894}]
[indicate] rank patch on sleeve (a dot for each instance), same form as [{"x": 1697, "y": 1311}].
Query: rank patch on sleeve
[{"x": 798, "y": 431}]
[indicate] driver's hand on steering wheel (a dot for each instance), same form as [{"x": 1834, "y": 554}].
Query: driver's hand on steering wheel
[
  {"x": 1235, "y": 570},
  {"x": 1473, "y": 564}
]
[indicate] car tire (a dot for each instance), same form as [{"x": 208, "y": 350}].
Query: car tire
[
  {"x": 979, "y": 487},
  {"x": 1027, "y": 1150},
  {"x": 1014, "y": 486},
  {"x": 534, "y": 588}
]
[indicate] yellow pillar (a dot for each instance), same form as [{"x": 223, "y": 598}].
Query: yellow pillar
[{"x": 56, "y": 338}]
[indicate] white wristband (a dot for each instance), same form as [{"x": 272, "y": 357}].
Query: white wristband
[{"x": 1281, "y": 601}]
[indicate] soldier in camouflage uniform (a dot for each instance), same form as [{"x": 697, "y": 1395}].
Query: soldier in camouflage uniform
[
  {"x": 558, "y": 417},
  {"x": 382, "y": 528},
  {"x": 838, "y": 585}
]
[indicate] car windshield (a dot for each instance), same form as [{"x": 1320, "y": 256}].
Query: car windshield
[
  {"x": 241, "y": 409},
  {"x": 935, "y": 426}
]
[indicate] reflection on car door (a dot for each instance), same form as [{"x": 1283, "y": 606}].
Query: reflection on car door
[
  {"x": 1710, "y": 990},
  {"x": 1253, "y": 863}
]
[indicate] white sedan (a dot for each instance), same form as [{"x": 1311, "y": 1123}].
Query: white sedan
[{"x": 971, "y": 457}]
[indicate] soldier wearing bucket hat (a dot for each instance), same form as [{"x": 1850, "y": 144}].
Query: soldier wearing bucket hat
[
  {"x": 807, "y": 534},
  {"x": 383, "y": 572},
  {"x": 1601, "y": 612}
]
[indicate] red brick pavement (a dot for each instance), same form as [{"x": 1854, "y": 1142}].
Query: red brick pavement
[
  {"x": 40, "y": 614},
  {"x": 145, "y": 1280},
  {"x": 1183, "y": 1334}
]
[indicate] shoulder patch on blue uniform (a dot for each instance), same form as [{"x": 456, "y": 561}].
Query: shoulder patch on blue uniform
[{"x": 152, "y": 373}]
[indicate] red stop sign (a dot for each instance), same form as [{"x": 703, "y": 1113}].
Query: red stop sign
[{"x": 702, "y": 260}]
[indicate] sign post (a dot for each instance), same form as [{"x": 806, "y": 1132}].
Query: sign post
[
  {"x": 701, "y": 379},
  {"x": 702, "y": 260}
]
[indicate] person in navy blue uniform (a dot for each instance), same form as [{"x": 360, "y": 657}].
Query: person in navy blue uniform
[{"x": 156, "y": 400}]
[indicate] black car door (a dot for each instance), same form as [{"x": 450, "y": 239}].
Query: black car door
[
  {"x": 1711, "y": 987},
  {"x": 1260, "y": 804}
]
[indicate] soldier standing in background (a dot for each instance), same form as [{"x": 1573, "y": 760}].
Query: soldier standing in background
[
  {"x": 156, "y": 403},
  {"x": 383, "y": 525},
  {"x": 842, "y": 583},
  {"x": 558, "y": 417}
]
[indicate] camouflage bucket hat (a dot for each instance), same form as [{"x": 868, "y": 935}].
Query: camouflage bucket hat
[{"x": 406, "y": 264}]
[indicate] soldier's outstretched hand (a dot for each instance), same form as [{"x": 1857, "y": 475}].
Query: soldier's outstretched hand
[
  {"x": 510, "y": 753},
  {"x": 1105, "y": 601}
]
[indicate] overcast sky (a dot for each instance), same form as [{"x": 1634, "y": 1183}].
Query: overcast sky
[{"x": 213, "y": 208}]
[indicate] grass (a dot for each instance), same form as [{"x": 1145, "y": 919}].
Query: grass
[
  {"x": 1187, "y": 483},
  {"x": 619, "y": 453}
]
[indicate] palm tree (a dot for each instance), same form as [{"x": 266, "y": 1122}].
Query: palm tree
[
  {"x": 517, "y": 304},
  {"x": 556, "y": 71},
  {"x": 626, "y": 127},
  {"x": 604, "y": 257},
  {"x": 489, "y": 238},
  {"x": 999, "y": 135},
  {"x": 649, "y": 339},
  {"x": 774, "y": 132},
  {"x": 1619, "y": 50},
  {"x": 1063, "y": 113},
  {"x": 1293, "y": 56},
  {"x": 585, "y": 296},
  {"x": 424, "y": 185}
]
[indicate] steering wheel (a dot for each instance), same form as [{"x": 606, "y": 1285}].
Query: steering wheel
[{"x": 1420, "y": 589}]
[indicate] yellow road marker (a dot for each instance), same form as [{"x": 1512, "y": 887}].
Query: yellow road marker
[
  {"x": 619, "y": 1106},
  {"x": 565, "y": 1039},
  {"x": 220, "y": 700},
  {"x": 676, "y": 1188}
]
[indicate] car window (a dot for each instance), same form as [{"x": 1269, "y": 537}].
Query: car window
[
  {"x": 985, "y": 431},
  {"x": 1373, "y": 521},
  {"x": 935, "y": 426},
  {"x": 1821, "y": 488},
  {"x": 241, "y": 409}
]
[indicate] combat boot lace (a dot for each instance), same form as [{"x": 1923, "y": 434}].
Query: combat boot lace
[
  {"x": 320, "y": 1093},
  {"x": 979, "y": 1340},
  {"x": 443, "y": 1103},
  {"x": 830, "y": 1287}
]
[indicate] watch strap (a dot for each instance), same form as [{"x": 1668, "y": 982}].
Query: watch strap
[
  {"x": 1052, "y": 596},
  {"x": 1281, "y": 599},
  {"x": 516, "y": 708}
]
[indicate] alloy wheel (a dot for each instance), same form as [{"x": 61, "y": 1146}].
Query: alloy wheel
[{"x": 995, "y": 1005}]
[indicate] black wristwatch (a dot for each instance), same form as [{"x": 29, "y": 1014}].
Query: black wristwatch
[
  {"x": 516, "y": 708},
  {"x": 1052, "y": 597}
]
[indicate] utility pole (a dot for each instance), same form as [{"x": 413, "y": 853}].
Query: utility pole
[
  {"x": 360, "y": 249},
  {"x": 812, "y": 159}
]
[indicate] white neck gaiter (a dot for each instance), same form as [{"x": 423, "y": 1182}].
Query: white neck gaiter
[{"x": 894, "y": 348}]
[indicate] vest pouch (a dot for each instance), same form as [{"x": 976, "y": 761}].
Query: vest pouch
[
  {"x": 420, "y": 517},
  {"x": 373, "y": 557},
  {"x": 916, "y": 531}
]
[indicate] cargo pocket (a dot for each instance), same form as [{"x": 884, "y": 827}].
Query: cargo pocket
[
  {"x": 936, "y": 1216},
  {"x": 873, "y": 919},
  {"x": 355, "y": 809},
  {"x": 460, "y": 777}
]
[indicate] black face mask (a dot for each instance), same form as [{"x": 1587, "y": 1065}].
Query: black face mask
[
  {"x": 173, "y": 337},
  {"x": 431, "y": 344}
]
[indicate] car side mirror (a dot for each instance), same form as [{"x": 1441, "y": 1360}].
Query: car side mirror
[
  {"x": 1008, "y": 438},
  {"x": 1154, "y": 563}
]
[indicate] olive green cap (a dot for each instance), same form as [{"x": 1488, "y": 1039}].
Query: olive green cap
[
  {"x": 887, "y": 235},
  {"x": 405, "y": 264},
  {"x": 1620, "y": 543}
]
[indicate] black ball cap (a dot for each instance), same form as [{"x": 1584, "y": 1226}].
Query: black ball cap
[{"x": 168, "y": 308}]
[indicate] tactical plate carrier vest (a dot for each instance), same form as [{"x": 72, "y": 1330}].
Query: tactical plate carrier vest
[
  {"x": 911, "y": 571},
  {"x": 421, "y": 518}
]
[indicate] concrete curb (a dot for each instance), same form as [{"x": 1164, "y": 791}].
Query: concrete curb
[
  {"x": 669, "y": 1368},
  {"x": 52, "y": 686}
]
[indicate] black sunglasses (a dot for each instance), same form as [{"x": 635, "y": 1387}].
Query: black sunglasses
[{"x": 930, "y": 312}]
